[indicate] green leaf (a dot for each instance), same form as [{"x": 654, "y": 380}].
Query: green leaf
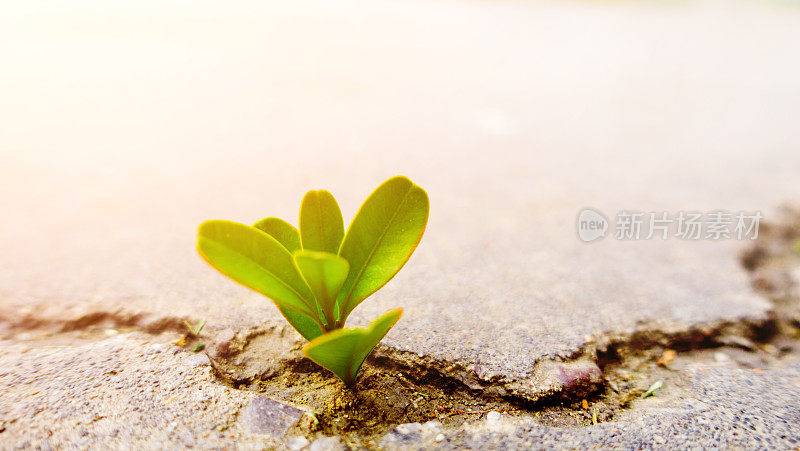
[
  {"x": 324, "y": 273},
  {"x": 302, "y": 323},
  {"x": 343, "y": 351},
  {"x": 282, "y": 231},
  {"x": 321, "y": 223},
  {"x": 257, "y": 261},
  {"x": 381, "y": 238}
]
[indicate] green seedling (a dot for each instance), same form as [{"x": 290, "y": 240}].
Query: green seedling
[
  {"x": 657, "y": 385},
  {"x": 318, "y": 275},
  {"x": 194, "y": 331}
]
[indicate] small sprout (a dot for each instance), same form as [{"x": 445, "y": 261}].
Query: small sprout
[
  {"x": 199, "y": 347},
  {"x": 653, "y": 388},
  {"x": 318, "y": 275},
  {"x": 194, "y": 331},
  {"x": 594, "y": 416},
  {"x": 199, "y": 328}
]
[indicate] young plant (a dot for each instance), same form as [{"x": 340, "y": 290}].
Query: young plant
[{"x": 316, "y": 276}]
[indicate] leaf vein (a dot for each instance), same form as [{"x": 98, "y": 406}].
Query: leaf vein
[
  {"x": 374, "y": 248},
  {"x": 281, "y": 281}
]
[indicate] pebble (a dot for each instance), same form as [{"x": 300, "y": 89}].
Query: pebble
[
  {"x": 721, "y": 357},
  {"x": 296, "y": 443},
  {"x": 266, "y": 416},
  {"x": 408, "y": 433},
  {"x": 408, "y": 429},
  {"x": 431, "y": 428},
  {"x": 493, "y": 417},
  {"x": 578, "y": 378},
  {"x": 327, "y": 444}
]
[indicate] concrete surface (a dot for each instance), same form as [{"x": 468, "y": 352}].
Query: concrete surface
[
  {"x": 724, "y": 409},
  {"x": 125, "y": 391},
  {"x": 123, "y": 127}
]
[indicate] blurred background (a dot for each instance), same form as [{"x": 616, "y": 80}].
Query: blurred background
[{"x": 125, "y": 124}]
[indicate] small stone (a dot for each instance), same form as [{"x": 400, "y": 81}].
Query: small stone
[
  {"x": 721, "y": 357},
  {"x": 266, "y": 416},
  {"x": 405, "y": 433},
  {"x": 309, "y": 422},
  {"x": 493, "y": 417},
  {"x": 408, "y": 429},
  {"x": 429, "y": 428},
  {"x": 327, "y": 444},
  {"x": 296, "y": 443},
  {"x": 439, "y": 438},
  {"x": 576, "y": 379}
]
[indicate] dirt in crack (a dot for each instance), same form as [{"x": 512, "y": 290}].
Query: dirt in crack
[
  {"x": 665, "y": 362},
  {"x": 632, "y": 364},
  {"x": 387, "y": 393},
  {"x": 88, "y": 325}
]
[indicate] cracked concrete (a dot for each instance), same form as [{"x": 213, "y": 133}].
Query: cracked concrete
[
  {"x": 723, "y": 407},
  {"x": 108, "y": 168},
  {"x": 128, "y": 390}
]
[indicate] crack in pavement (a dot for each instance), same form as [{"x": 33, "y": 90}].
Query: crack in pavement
[{"x": 595, "y": 384}]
